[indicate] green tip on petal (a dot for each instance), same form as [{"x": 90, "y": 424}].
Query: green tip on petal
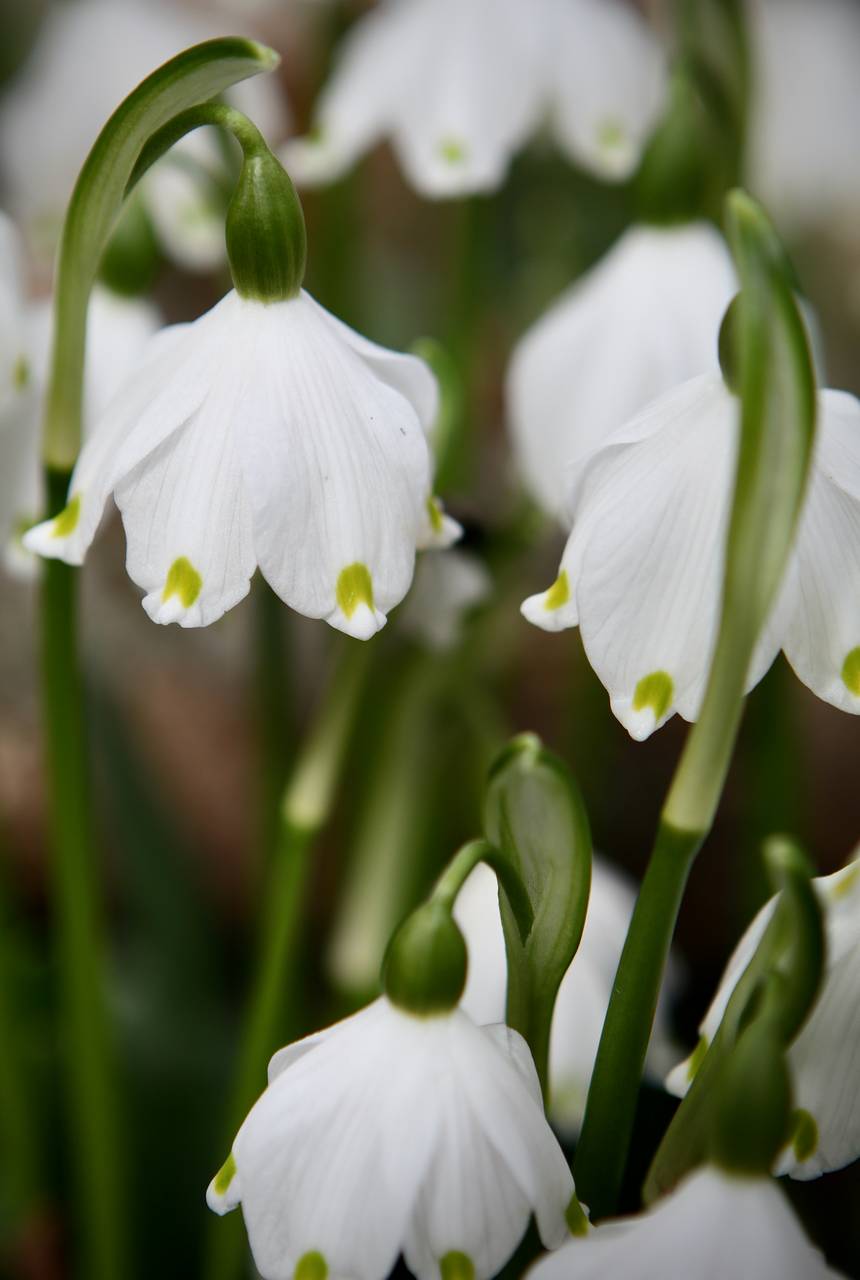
[
  {"x": 434, "y": 511},
  {"x": 452, "y": 150},
  {"x": 558, "y": 594},
  {"x": 354, "y": 587},
  {"x": 610, "y": 135},
  {"x": 67, "y": 521},
  {"x": 697, "y": 1057},
  {"x": 311, "y": 1266},
  {"x": 851, "y": 672},
  {"x": 804, "y": 1134},
  {"x": 654, "y": 691},
  {"x": 846, "y": 882},
  {"x": 184, "y": 581},
  {"x": 576, "y": 1218},
  {"x": 225, "y": 1175},
  {"x": 457, "y": 1266},
  {"x": 20, "y": 373}
]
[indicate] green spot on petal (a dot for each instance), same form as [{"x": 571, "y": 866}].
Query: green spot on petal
[
  {"x": 311, "y": 1266},
  {"x": 804, "y": 1134},
  {"x": 846, "y": 883},
  {"x": 457, "y": 1266},
  {"x": 354, "y": 587},
  {"x": 452, "y": 150},
  {"x": 697, "y": 1057},
  {"x": 654, "y": 691},
  {"x": 67, "y": 521},
  {"x": 434, "y": 511},
  {"x": 574, "y": 1216},
  {"x": 611, "y": 135},
  {"x": 558, "y": 594},
  {"x": 225, "y": 1175},
  {"x": 851, "y": 672},
  {"x": 20, "y": 373},
  {"x": 184, "y": 581}
]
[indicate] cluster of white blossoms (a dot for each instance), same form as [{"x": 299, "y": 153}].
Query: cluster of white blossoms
[{"x": 457, "y": 105}]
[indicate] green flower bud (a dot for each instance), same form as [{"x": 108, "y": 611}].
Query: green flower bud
[
  {"x": 753, "y": 1104},
  {"x": 424, "y": 971},
  {"x": 266, "y": 240},
  {"x": 131, "y": 259}
]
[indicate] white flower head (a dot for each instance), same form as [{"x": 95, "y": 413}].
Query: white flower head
[
  {"x": 642, "y": 571},
  {"x": 261, "y": 434},
  {"x": 641, "y": 321},
  {"x": 458, "y": 86},
  {"x": 88, "y": 56},
  {"x": 824, "y": 1060},
  {"x": 583, "y": 996},
  {"x": 714, "y": 1225},
  {"x": 391, "y": 1133}
]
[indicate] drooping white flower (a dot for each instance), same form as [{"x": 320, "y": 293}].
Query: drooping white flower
[
  {"x": 641, "y": 574},
  {"x": 803, "y": 159},
  {"x": 584, "y": 993},
  {"x": 640, "y": 322},
  {"x": 713, "y": 1226},
  {"x": 445, "y": 589},
  {"x": 458, "y": 86},
  {"x": 391, "y": 1133},
  {"x": 87, "y": 58},
  {"x": 270, "y": 435},
  {"x": 825, "y": 1058}
]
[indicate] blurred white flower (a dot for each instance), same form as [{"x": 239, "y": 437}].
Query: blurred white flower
[
  {"x": 270, "y": 435},
  {"x": 392, "y": 1133},
  {"x": 444, "y": 590},
  {"x": 459, "y": 86},
  {"x": 641, "y": 321},
  {"x": 642, "y": 571},
  {"x": 88, "y": 56},
  {"x": 825, "y": 1058},
  {"x": 804, "y": 161},
  {"x": 584, "y": 993},
  {"x": 713, "y": 1226}
]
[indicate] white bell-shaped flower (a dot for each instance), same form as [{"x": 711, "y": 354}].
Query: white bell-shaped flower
[
  {"x": 458, "y": 86},
  {"x": 713, "y": 1226},
  {"x": 641, "y": 321},
  {"x": 825, "y": 1058},
  {"x": 270, "y": 435},
  {"x": 391, "y": 1133},
  {"x": 583, "y": 996},
  {"x": 803, "y": 158},
  {"x": 642, "y": 571},
  {"x": 88, "y": 56}
]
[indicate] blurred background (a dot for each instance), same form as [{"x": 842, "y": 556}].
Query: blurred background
[{"x": 193, "y": 733}]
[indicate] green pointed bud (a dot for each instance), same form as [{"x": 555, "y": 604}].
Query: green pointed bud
[
  {"x": 131, "y": 259},
  {"x": 753, "y": 1106},
  {"x": 266, "y": 240},
  {"x": 424, "y": 971}
]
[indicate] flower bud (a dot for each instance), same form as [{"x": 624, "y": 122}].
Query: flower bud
[
  {"x": 424, "y": 971},
  {"x": 266, "y": 241}
]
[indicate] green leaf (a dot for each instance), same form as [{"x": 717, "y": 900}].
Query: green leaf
[
  {"x": 778, "y": 411},
  {"x": 192, "y": 77},
  {"x": 535, "y": 818}
]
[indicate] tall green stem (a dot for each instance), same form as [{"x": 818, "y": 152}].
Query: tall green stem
[{"x": 94, "y": 1154}]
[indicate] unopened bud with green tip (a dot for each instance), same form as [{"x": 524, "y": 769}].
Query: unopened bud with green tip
[
  {"x": 424, "y": 971},
  {"x": 266, "y": 239}
]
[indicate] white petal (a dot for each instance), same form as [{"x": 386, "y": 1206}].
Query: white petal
[
  {"x": 610, "y": 85},
  {"x": 713, "y": 1226},
  {"x": 445, "y": 589},
  {"x": 821, "y": 607},
  {"x": 337, "y": 469},
  {"x": 631, "y": 329}
]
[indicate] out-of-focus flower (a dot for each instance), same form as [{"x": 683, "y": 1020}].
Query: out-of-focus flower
[
  {"x": 458, "y": 86},
  {"x": 825, "y": 1058},
  {"x": 584, "y": 993},
  {"x": 88, "y": 57},
  {"x": 642, "y": 571},
  {"x": 262, "y": 434},
  {"x": 715, "y": 1225},
  {"x": 803, "y": 156},
  {"x": 643, "y": 320},
  {"x": 393, "y": 1133},
  {"x": 445, "y": 589}
]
